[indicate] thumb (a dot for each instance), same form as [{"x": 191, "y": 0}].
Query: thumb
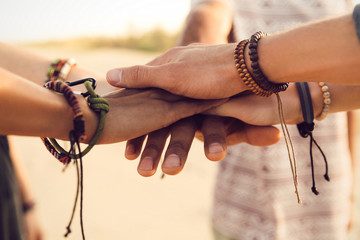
[{"x": 138, "y": 76}]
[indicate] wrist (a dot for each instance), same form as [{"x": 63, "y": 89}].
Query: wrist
[{"x": 316, "y": 97}]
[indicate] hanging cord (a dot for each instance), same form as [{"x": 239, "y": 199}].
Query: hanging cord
[
  {"x": 80, "y": 186},
  {"x": 72, "y": 151},
  {"x": 289, "y": 146},
  {"x": 81, "y": 191},
  {"x": 260, "y": 85},
  {"x": 305, "y": 129},
  {"x": 97, "y": 104}
]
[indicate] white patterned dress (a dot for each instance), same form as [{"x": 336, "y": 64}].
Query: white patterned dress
[{"x": 254, "y": 193}]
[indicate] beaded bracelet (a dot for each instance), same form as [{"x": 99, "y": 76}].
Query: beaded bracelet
[
  {"x": 256, "y": 81},
  {"x": 244, "y": 73},
  {"x": 60, "y": 69},
  {"x": 259, "y": 84},
  {"x": 326, "y": 101},
  {"x": 258, "y": 75}
]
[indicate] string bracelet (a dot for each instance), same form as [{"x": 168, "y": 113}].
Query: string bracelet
[
  {"x": 259, "y": 84},
  {"x": 326, "y": 101},
  {"x": 99, "y": 105},
  {"x": 96, "y": 103},
  {"x": 60, "y": 69}
]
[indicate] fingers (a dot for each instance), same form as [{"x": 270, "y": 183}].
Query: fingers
[
  {"x": 150, "y": 157},
  {"x": 254, "y": 135},
  {"x": 214, "y": 134},
  {"x": 182, "y": 135},
  {"x": 139, "y": 76},
  {"x": 262, "y": 136},
  {"x": 133, "y": 147}
]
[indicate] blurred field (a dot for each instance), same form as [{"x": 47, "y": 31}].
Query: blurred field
[{"x": 118, "y": 203}]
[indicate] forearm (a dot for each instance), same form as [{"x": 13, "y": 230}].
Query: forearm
[
  {"x": 325, "y": 51},
  {"x": 34, "y": 67},
  {"x": 208, "y": 22},
  {"x": 31, "y": 110},
  {"x": 343, "y": 98}
]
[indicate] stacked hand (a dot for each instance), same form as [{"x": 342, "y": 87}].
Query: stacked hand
[{"x": 216, "y": 132}]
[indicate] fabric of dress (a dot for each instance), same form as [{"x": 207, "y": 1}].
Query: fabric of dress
[
  {"x": 254, "y": 194},
  {"x": 10, "y": 198}
]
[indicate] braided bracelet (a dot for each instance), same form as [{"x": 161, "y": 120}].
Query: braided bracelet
[{"x": 97, "y": 103}]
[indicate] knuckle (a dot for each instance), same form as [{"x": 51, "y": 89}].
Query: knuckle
[
  {"x": 153, "y": 148},
  {"x": 177, "y": 146},
  {"x": 139, "y": 73}
]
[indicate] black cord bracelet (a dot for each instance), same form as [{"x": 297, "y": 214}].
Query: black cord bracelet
[{"x": 305, "y": 128}]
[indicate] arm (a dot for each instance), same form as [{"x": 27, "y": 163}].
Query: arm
[
  {"x": 34, "y": 67},
  {"x": 353, "y": 130},
  {"x": 33, "y": 228},
  {"x": 343, "y": 98},
  {"x": 28, "y": 109},
  {"x": 208, "y": 22},
  {"x": 327, "y": 51}
]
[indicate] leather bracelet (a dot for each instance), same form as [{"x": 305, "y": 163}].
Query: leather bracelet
[{"x": 306, "y": 128}]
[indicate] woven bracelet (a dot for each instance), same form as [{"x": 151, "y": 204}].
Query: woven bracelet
[{"x": 96, "y": 103}]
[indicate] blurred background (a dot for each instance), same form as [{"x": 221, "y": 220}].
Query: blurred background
[{"x": 118, "y": 203}]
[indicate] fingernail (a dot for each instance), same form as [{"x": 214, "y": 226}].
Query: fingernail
[
  {"x": 114, "y": 76},
  {"x": 215, "y": 148},
  {"x": 172, "y": 161},
  {"x": 130, "y": 149},
  {"x": 146, "y": 164}
]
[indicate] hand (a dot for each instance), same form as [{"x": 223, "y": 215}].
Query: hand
[
  {"x": 196, "y": 71},
  {"x": 216, "y": 132},
  {"x": 135, "y": 112},
  {"x": 263, "y": 111}
]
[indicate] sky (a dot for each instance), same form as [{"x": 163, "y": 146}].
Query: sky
[{"x": 42, "y": 20}]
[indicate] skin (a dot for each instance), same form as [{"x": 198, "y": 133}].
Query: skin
[
  {"x": 210, "y": 23},
  {"x": 314, "y": 57},
  {"x": 27, "y": 102},
  {"x": 306, "y": 47}
]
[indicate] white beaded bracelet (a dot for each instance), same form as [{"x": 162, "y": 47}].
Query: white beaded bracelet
[{"x": 326, "y": 101}]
